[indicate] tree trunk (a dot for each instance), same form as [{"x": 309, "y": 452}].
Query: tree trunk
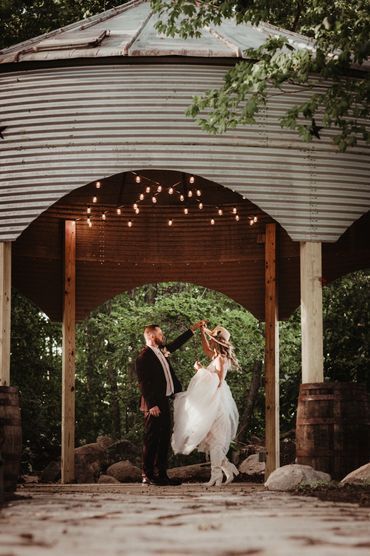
[{"x": 250, "y": 401}]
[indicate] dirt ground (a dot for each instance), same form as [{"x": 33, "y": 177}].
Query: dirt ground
[
  {"x": 238, "y": 520},
  {"x": 353, "y": 494}
]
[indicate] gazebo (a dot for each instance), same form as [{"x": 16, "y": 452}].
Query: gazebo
[{"x": 106, "y": 185}]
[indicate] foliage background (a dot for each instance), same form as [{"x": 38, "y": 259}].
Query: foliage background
[{"x": 109, "y": 340}]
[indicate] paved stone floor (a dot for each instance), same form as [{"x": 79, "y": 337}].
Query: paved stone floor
[{"x": 240, "y": 519}]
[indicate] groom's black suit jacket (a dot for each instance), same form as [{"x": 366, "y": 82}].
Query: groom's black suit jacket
[{"x": 149, "y": 370}]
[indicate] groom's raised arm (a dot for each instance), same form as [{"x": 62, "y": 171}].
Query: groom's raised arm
[{"x": 180, "y": 340}]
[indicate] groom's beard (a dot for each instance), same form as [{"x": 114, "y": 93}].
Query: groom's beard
[{"x": 160, "y": 344}]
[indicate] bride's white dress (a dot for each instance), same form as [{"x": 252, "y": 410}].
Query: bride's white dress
[{"x": 205, "y": 416}]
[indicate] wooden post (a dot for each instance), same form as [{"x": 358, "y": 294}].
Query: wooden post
[
  {"x": 5, "y": 308},
  {"x": 68, "y": 358},
  {"x": 311, "y": 312},
  {"x": 271, "y": 354}
]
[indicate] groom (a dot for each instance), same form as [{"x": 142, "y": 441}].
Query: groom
[{"x": 158, "y": 383}]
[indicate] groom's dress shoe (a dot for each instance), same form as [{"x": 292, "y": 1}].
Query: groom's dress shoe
[
  {"x": 148, "y": 480},
  {"x": 166, "y": 480}
]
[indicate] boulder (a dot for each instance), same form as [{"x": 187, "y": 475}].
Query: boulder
[
  {"x": 252, "y": 465},
  {"x": 124, "y": 472},
  {"x": 107, "y": 479},
  {"x": 291, "y": 476},
  {"x": 51, "y": 473},
  {"x": 191, "y": 473},
  {"x": 122, "y": 450},
  {"x": 104, "y": 441},
  {"x": 89, "y": 460},
  {"x": 360, "y": 476}
]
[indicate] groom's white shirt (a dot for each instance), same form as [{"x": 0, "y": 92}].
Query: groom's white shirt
[{"x": 166, "y": 369}]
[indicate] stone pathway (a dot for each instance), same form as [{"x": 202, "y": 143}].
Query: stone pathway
[{"x": 241, "y": 519}]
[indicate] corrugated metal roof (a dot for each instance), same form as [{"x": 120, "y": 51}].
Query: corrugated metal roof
[
  {"x": 66, "y": 127},
  {"x": 129, "y": 30}
]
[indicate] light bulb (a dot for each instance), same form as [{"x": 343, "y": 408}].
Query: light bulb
[
  {"x": 220, "y": 212},
  {"x": 159, "y": 188},
  {"x": 170, "y": 191},
  {"x": 182, "y": 198},
  {"x": 129, "y": 223},
  {"x": 119, "y": 211},
  {"x": 134, "y": 206},
  {"x": 137, "y": 210},
  {"x": 186, "y": 211},
  {"x": 255, "y": 219},
  {"x": 170, "y": 222},
  {"x": 138, "y": 179},
  {"x": 103, "y": 216},
  {"x": 191, "y": 179},
  {"x": 235, "y": 210},
  {"x": 95, "y": 199},
  {"x": 154, "y": 199},
  {"x": 200, "y": 206},
  {"x": 190, "y": 193},
  {"x": 89, "y": 222},
  {"x": 212, "y": 221},
  {"x": 237, "y": 218},
  {"x": 141, "y": 196},
  {"x": 199, "y": 193},
  {"x": 98, "y": 185},
  {"x": 147, "y": 189},
  {"x": 251, "y": 222},
  {"x": 88, "y": 210}
]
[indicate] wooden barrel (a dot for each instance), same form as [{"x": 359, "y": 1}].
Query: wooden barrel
[
  {"x": 11, "y": 432},
  {"x": 333, "y": 427}
]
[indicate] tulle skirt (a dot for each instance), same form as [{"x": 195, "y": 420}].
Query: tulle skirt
[{"x": 205, "y": 415}]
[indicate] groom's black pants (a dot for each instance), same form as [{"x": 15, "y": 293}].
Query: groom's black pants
[{"x": 157, "y": 437}]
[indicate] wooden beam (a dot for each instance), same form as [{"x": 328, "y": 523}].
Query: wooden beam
[
  {"x": 5, "y": 311},
  {"x": 271, "y": 354},
  {"x": 68, "y": 357},
  {"x": 311, "y": 312}
]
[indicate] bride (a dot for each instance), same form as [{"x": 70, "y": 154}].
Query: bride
[{"x": 206, "y": 416}]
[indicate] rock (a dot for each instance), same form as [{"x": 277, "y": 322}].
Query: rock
[
  {"x": 29, "y": 479},
  {"x": 359, "y": 476},
  {"x": 124, "y": 449},
  {"x": 51, "y": 473},
  {"x": 104, "y": 441},
  {"x": 191, "y": 473},
  {"x": 107, "y": 479},
  {"x": 252, "y": 466},
  {"x": 290, "y": 477},
  {"x": 89, "y": 460},
  {"x": 124, "y": 472}
]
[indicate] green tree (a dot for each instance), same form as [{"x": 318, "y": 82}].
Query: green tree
[{"x": 339, "y": 31}]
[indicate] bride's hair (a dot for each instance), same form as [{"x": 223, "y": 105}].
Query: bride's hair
[{"x": 226, "y": 351}]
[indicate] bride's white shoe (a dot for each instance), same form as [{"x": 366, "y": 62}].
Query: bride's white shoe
[
  {"x": 216, "y": 478},
  {"x": 230, "y": 471}
]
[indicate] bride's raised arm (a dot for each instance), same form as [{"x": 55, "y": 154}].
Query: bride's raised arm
[{"x": 205, "y": 344}]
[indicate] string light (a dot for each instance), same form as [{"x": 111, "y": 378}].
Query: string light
[
  {"x": 138, "y": 179},
  {"x": 119, "y": 211},
  {"x": 170, "y": 222},
  {"x": 182, "y": 198},
  {"x": 251, "y": 222},
  {"x": 199, "y": 193},
  {"x": 88, "y": 210},
  {"x": 170, "y": 191},
  {"x": 220, "y": 212},
  {"x": 159, "y": 188},
  {"x": 89, "y": 222},
  {"x": 212, "y": 221},
  {"x": 129, "y": 223},
  {"x": 191, "y": 179},
  {"x": 200, "y": 206},
  {"x": 141, "y": 196},
  {"x": 95, "y": 199},
  {"x": 154, "y": 199},
  {"x": 103, "y": 216},
  {"x": 235, "y": 210},
  {"x": 237, "y": 217},
  {"x": 255, "y": 219},
  {"x": 190, "y": 193},
  {"x": 147, "y": 189},
  {"x": 186, "y": 211},
  {"x": 98, "y": 185},
  {"x": 134, "y": 206},
  {"x": 137, "y": 210}
]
